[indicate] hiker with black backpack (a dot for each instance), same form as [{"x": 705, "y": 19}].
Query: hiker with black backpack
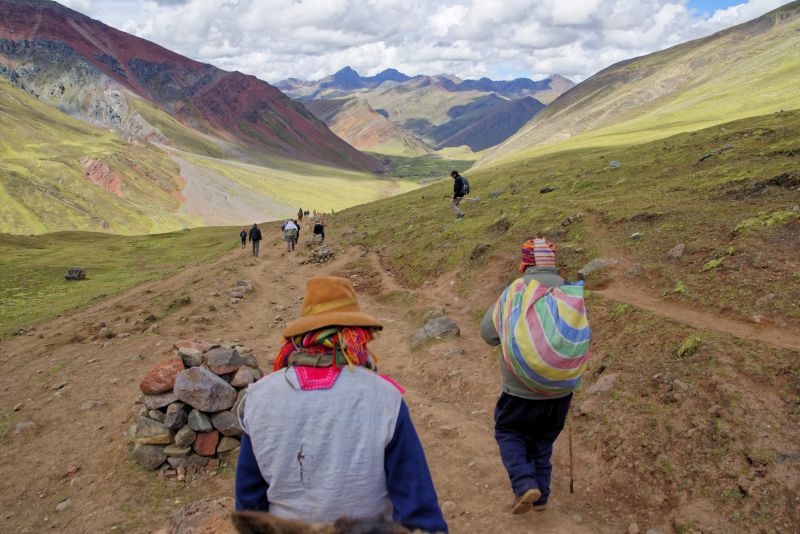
[
  {"x": 255, "y": 238},
  {"x": 460, "y": 190},
  {"x": 540, "y": 323}
]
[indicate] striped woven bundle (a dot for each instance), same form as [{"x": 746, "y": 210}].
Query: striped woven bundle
[{"x": 544, "y": 334}]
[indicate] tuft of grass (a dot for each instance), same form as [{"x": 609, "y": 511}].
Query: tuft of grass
[
  {"x": 690, "y": 345},
  {"x": 768, "y": 220},
  {"x": 619, "y": 310}
]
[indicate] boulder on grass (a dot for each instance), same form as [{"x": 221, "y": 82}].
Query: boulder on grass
[{"x": 75, "y": 273}]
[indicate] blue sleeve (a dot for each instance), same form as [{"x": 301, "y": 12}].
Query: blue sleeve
[
  {"x": 251, "y": 488},
  {"x": 408, "y": 479}
]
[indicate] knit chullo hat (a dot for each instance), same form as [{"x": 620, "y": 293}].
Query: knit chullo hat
[{"x": 539, "y": 252}]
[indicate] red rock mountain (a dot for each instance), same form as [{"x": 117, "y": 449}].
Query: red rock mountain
[{"x": 55, "y": 52}]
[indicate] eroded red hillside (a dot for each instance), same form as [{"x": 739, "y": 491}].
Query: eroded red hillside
[{"x": 238, "y": 106}]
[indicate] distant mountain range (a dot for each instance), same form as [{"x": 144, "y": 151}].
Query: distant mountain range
[
  {"x": 747, "y": 70},
  {"x": 347, "y": 80},
  {"x": 440, "y": 111}
]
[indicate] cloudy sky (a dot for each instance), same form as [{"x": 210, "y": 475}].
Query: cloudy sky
[{"x": 501, "y": 39}]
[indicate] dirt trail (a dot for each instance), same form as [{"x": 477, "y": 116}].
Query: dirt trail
[
  {"x": 630, "y": 291},
  {"x": 451, "y": 390},
  {"x": 629, "y": 294}
]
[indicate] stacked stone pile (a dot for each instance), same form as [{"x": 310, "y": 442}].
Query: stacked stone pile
[{"x": 186, "y": 417}]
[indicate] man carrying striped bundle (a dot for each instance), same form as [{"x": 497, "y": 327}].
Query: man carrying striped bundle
[{"x": 540, "y": 323}]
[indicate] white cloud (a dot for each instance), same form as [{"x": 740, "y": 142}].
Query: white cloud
[{"x": 276, "y": 39}]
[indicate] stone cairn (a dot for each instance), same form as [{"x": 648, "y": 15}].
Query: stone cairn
[{"x": 187, "y": 423}]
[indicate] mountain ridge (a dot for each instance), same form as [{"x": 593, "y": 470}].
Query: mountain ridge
[
  {"x": 742, "y": 71},
  {"x": 239, "y": 108},
  {"x": 348, "y": 79}
]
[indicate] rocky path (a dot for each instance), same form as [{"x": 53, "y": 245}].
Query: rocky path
[{"x": 60, "y": 448}]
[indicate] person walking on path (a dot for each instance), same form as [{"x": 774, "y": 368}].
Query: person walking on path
[
  {"x": 243, "y": 237},
  {"x": 325, "y": 435},
  {"x": 300, "y": 215},
  {"x": 290, "y": 232},
  {"x": 458, "y": 193},
  {"x": 319, "y": 230},
  {"x": 527, "y": 420},
  {"x": 255, "y": 239}
]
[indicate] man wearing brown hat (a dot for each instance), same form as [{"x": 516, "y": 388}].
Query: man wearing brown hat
[{"x": 326, "y": 436}]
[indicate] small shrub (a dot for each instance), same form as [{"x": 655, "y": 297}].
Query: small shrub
[
  {"x": 690, "y": 345},
  {"x": 619, "y": 310},
  {"x": 713, "y": 264}
]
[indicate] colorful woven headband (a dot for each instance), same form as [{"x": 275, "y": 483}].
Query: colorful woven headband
[
  {"x": 539, "y": 252},
  {"x": 348, "y": 345}
]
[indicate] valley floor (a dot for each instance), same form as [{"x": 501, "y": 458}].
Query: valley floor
[{"x": 80, "y": 452}]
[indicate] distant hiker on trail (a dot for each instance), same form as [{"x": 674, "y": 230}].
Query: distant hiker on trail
[
  {"x": 243, "y": 236},
  {"x": 300, "y": 215},
  {"x": 541, "y": 326},
  {"x": 255, "y": 238},
  {"x": 290, "y": 232},
  {"x": 326, "y": 436},
  {"x": 458, "y": 193},
  {"x": 319, "y": 230}
]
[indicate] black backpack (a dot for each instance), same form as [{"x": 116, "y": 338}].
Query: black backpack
[{"x": 464, "y": 186}]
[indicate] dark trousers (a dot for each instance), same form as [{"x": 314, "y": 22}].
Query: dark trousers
[
  {"x": 525, "y": 431},
  {"x": 256, "y": 245}
]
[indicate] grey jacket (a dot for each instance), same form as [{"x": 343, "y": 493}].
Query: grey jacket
[{"x": 511, "y": 384}]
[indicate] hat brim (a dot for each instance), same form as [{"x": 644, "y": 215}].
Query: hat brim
[{"x": 342, "y": 318}]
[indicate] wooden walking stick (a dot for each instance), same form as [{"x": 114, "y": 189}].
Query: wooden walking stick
[{"x": 571, "y": 473}]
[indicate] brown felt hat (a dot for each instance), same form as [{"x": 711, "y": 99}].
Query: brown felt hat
[{"x": 329, "y": 301}]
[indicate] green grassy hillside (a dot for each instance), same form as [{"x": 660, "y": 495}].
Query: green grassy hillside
[
  {"x": 736, "y": 211},
  {"x": 697, "y": 432},
  {"x": 748, "y": 70},
  {"x": 44, "y": 188},
  {"x": 32, "y": 285}
]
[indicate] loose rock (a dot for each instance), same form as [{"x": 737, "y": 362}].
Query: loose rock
[
  {"x": 227, "y": 423},
  {"x": 597, "y": 264},
  {"x": 154, "y": 402},
  {"x": 206, "y": 443},
  {"x": 202, "y": 389},
  {"x": 436, "y": 328},
  {"x": 149, "y": 456},
  {"x": 243, "y": 377},
  {"x": 161, "y": 378},
  {"x": 63, "y": 505},
  {"x": 191, "y": 357},
  {"x": 177, "y": 416},
  {"x": 634, "y": 236},
  {"x": 75, "y": 273},
  {"x": 635, "y": 271},
  {"x": 676, "y": 252},
  {"x": 174, "y": 451},
  {"x": 185, "y": 437},
  {"x": 199, "y": 422},
  {"x": 156, "y": 415},
  {"x": 228, "y": 360},
  {"x": 149, "y": 432},
  {"x": 449, "y": 509},
  {"x": 23, "y": 426},
  {"x": 227, "y": 444}
]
